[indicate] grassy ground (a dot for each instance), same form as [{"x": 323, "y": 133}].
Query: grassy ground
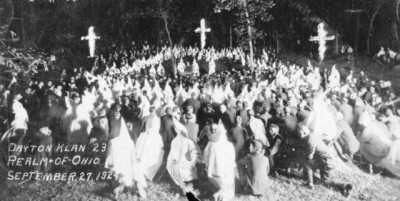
[
  {"x": 282, "y": 187},
  {"x": 367, "y": 187}
]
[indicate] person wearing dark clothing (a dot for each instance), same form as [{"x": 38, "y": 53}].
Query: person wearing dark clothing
[
  {"x": 238, "y": 136},
  {"x": 254, "y": 170},
  {"x": 319, "y": 157},
  {"x": 193, "y": 102},
  {"x": 302, "y": 113},
  {"x": 290, "y": 123},
  {"x": 167, "y": 129},
  {"x": 126, "y": 109},
  {"x": 264, "y": 115},
  {"x": 227, "y": 117},
  {"x": 192, "y": 129},
  {"x": 243, "y": 113},
  {"x": 205, "y": 114},
  {"x": 276, "y": 140}
]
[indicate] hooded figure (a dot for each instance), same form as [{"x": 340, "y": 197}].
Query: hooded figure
[
  {"x": 182, "y": 159},
  {"x": 219, "y": 157},
  {"x": 149, "y": 149},
  {"x": 120, "y": 156},
  {"x": 211, "y": 67}
]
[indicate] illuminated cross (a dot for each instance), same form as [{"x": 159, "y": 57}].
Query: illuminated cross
[
  {"x": 91, "y": 38},
  {"x": 202, "y": 30},
  {"x": 321, "y": 39}
]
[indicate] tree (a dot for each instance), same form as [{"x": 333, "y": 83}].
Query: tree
[
  {"x": 163, "y": 5},
  {"x": 372, "y": 11},
  {"x": 166, "y": 10},
  {"x": 248, "y": 13}
]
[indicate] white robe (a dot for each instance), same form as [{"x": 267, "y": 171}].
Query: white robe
[
  {"x": 218, "y": 95},
  {"x": 149, "y": 153},
  {"x": 20, "y": 121},
  {"x": 181, "y": 163},
  {"x": 76, "y": 121},
  {"x": 181, "y": 67},
  {"x": 211, "y": 67},
  {"x": 321, "y": 121},
  {"x": 219, "y": 158},
  {"x": 144, "y": 106},
  {"x": 21, "y": 116},
  {"x": 120, "y": 156},
  {"x": 195, "y": 68}
]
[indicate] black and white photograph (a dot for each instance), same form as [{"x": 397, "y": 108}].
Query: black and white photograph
[{"x": 199, "y": 100}]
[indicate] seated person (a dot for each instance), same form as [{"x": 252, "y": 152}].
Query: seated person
[{"x": 254, "y": 169}]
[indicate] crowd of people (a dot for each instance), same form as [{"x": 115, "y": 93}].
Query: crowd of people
[{"x": 205, "y": 121}]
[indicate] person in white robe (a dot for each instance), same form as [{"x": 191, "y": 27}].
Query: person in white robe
[
  {"x": 195, "y": 68},
  {"x": 161, "y": 70},
  {"x": 182, "y": 159},
  {"x": 320, "y": 120},
  {"x": 120, "y": 156},
  {"x": 211, "y": 67},
  {"x": 20, "y": 123},
  {"x": 149, "y": 150},
  {"x": 144, "y": 105},
  {"x": 218, "y": 94},
  {"x": 181, "y": 67},
  {"x": 334, "y": 78},
  {"x": 219, "y": 158},
  {"x": 76, "y": 121},
  {"x": 152, "y": 72},
  {"x": 181, "y": 95}
]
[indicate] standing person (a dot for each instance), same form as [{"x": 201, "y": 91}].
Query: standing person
[
  {"x": 120, "y": 154},
  {"x": 43, "y": 138},
  {"x": 192, "y": 101},
  {"x": 243, "y": 113},
  {"x": 205, "y": 114},
  {"x": 276, "y": 146},
  {"x": 254, "y": 170},
  {"x": 166, "y": 129},
  {"x": 149, "y": 150},
  {"x": 19, "y": 124},
  {"x": 256, "y": 129},
  {"x": 192, "y": 129},
  {"x": 238, "y": 136},
  {"x": 20, "y": 115},
  {"x": 319, "y": 157},
  {"x": 227, "y": 117},
  {"x": 219, "y": 157}
]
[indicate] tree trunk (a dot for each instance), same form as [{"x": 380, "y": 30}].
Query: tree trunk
[
  {"x": 395, "y": 35},
  {"x": 371, "y": 26},
  {"x": 230, "y": 36},
  {"x": 250, "y": 34},
  {"x": 357, "y": 33},
  {"x": 277, "y": 42},
  {"x": 397, "y": 10},
  {"x": 171, "y": 45}
]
